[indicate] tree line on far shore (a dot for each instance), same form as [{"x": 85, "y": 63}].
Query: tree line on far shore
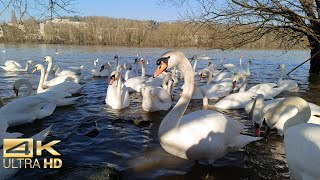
[{"x": 95, "y": 30}]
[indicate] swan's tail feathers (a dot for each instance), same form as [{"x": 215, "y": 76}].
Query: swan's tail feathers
[
  {"x": 47, "y": 110},
  {"x": 41, "y": 136},
  {"x": 242, "y": 140},
  {"x": 67, "y": 101}
]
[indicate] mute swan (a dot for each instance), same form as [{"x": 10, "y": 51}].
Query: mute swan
[
  {"x": 263, "y": 106},
  {"x": 58, "y": 97},
  {"x": 57, "y": 72},
  {"x": 14, "y": 66},
  {"x": 26, "y": 110},
  {"x": 9, "y": 172},
  {"x": 158, "y": 98},
  {"x": 287, "y": 85},
  {"x": 59, "y": 79},
  {"x": 117, "y": 93},
  {"x": 234, "y": 68},
  {"x": 134, "y": 84},
  {"x": 104, "y": 71},
  {"x": 69, "y": 87},
  {"x": 200, "y": 135},
  {"x": 301, "y": 139}
]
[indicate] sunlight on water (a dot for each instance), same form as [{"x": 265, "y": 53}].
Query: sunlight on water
[{"x": 90, "y": 153}]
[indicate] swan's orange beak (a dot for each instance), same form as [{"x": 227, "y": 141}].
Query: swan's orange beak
[
  {"x": 111, "y": 80},
  {"x": 162, "y": 67},
  {"x": 34, "y": 69}
]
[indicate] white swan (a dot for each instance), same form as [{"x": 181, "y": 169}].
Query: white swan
[
  {"x": 158, "y": 98},
  {"x": 301, "y": 139},
  {"x": 26, "y": 110},
  {"x": 117, "y": 93},
  {"x": 58, "y": 97},
  {"x": 200, "y": 135},
  {"x": 234, "y": 68},
  {"x": 8, "y": 173},
  {"x": 59, "y": 79},
  {"x": 288, "y": 84},
  {"x": 13, "y": 66},
  {"x": 129, "y": 73},
  {"x": 69, "y": 87},
  {"x": 57, "y": 72},
  {"x": 264, "y": 106},
  {"x": 104, "y": 70},
  {"x": 134, "y": 84}
]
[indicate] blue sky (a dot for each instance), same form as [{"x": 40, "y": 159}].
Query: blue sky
[{"x": 131, "y": 9}]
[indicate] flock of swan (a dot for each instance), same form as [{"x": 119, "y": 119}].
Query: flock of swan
[{"x": 200, "y": 135}]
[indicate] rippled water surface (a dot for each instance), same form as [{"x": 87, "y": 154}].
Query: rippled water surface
[{"x": 97, "y": 141}]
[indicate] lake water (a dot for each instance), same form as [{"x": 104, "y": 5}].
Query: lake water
[{"x": 119, "y": 140}]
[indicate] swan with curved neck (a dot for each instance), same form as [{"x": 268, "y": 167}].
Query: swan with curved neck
[
  {"x": 58, "y": 97},
  {"x": 117, "y": 93},
  {"x": 301, "y": 139},
  {"x": 14, "y": 66},
  {"x": 200, "y": 135},
  {"x": 67, "y": 86},
  {"x": 134, "y": 84},
  {"x": 288, "y": 84}
]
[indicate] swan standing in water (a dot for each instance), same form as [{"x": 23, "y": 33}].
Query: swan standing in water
[
  {"x": 200, "y": 135},
  {"x": 158, "y": 98},
  {"x": 69, "y": 87},
  {"x": 301, "y": 139},
  {"x": 13, "y": 66},
  {"x": 58, "y": 97},
  {"x": 117, "y": 93}
]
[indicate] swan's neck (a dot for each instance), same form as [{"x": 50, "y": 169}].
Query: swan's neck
[
  {"x": 27, "y": 67},
  {"x": 137, "y": 67},
  {"x": 240, "y": 64},
  {"x": 169, "y": 88},
  {"x": 48, "y": 70},
  {"x": 204, "y": 96},
  {"x": 57, "y": 70},
  {"x": 243, "y": 85},
  {"x": 40, "y": 85},
  {"x": 143, "y": 70},
  {"x": 248, "y": 69},
  {"x": 119, "y": 88},
  {"x": 195, "y": 65},
  {"x": 210, "y": 77},
  {"x": 257, "y": 110},
  {"x": 172, "y": 119},
  {"x": 174, "y": 72}
]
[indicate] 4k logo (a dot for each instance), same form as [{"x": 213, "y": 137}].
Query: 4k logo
[{"x": 24, "y": 148}]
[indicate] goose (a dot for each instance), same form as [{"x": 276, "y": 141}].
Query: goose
[
  {"x": 10, "y": 172},
  {"x": 117, "y": 93},
  {"x": 67, "y": 86},
  {"x": 59, "y": 79},
  {"x": 200, "y": 135},
  {"x": 158, "y": 98},
  {"x": 13, "y": 66},
  {"x": 288, "y": 84},
  {"x": 58, "y": 97},
  {"x": 263, "y": 106},
  {"x": 301, "y": 139},
  {"x": 26, "y": 110},
  {"x": 134, "y": 84}
]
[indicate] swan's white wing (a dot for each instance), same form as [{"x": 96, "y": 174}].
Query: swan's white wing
[{"x": 236, "y": 100}]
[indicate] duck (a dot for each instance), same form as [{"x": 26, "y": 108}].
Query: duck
[
  {"x": 301, "y": 139},
  {"x": 158, "y": 98},
  {"x": 59, "y": 79},
  {"x": 288, "y": 84},
  {"x": 58, "y": 97},
  {"x": 117, "y": 93},
  {"x": 200, "y": 135},
  {"x": 67, "y": 86},
  {"x": 10, "y": 172},
  {"x": 13, "y": 66}
]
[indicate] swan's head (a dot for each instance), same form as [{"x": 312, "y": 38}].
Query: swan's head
[
  {"x": 135, "y": 60},
  {"x": 37, "y": 67},
  {"x": 55, "y": 68},
  {"x": 115, "y": 75},
  {"x": 142, "y": 61},
  {"x": 168, "y": 60},
  {"x": 249, "y": 62},
  {"x": 47, "y": 59},
  {"x": 30, "y": 62},
  {"x": 102, "y": 68},
  {"x": 17, "y": 84},
  {"x": 281, "y": 66},
  {"x": 116, "y": 57}
]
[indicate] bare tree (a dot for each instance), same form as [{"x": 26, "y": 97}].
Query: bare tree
[{"x": 249, "y": 20}]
